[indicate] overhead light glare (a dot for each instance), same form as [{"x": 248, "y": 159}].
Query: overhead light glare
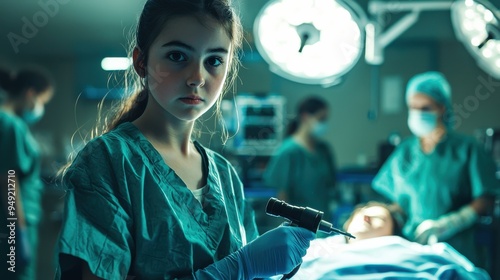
[
  {"x": 471, "y": 14},
  {"x": 476, "y": 41},
  {"x": 116, "y": 63},
  {"x": 487, "y": 53},
  {"x": 477, "y": 25},
  {"x": 488, "y": 16},
  {"x": 311, "y": 42}
]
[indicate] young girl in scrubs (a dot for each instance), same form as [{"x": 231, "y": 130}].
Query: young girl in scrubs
[
  {"x": 26, "y": 93},
  {"x": 441, "y": 179},
  {"x": 144, "y": 200}
]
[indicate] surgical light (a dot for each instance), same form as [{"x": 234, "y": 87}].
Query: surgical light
[
  {"x": 477, "y": 26},
  {"x": 116, "y": 63},
  {"x": 310, "y": 42}
]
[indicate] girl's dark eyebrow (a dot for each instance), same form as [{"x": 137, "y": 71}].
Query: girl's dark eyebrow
[{"x": 188, "y": 47}]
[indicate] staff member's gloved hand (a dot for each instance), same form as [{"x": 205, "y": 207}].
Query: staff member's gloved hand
[
  {"x": 277, "y": 251},
  {"x": 432, "y": 231}
]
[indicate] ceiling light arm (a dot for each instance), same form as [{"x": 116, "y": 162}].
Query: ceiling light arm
[
  {"x": 376, "y": 40},
  {"x": 398, "y": 28},
  {"x": 381, "y": 7}
]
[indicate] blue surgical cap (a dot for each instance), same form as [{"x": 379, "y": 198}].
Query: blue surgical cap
[{"x": 434, "y": 85}]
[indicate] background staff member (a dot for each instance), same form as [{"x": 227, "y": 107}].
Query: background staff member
[
  {"x": 441, "y": 179},
  {"x": 26, "y": 92},
  {"x": 303, "y": 167}
]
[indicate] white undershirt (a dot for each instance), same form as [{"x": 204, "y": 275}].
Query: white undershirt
[{"x": 199, "y": 194}]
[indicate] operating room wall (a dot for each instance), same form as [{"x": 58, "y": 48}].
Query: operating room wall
[
  {"x": 351, "y": 133},
  {"x": 476, "y": 96}
]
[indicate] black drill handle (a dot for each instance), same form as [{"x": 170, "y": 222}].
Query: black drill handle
[
  {"x": 303, "y": 217},
  {"x": 291, "y": 273}
]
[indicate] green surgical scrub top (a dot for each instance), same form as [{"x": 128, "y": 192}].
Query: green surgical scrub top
[
  {"x": 428, "y": 186},
  {"x": 129, "y": 215},
  {"x": 19, "y": 152},
  {"x": 305, "y": 176}
]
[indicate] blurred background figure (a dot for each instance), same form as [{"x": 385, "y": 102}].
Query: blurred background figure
[
  {"x": 441, "y": 179},
  {"x": 386, "y": 147},
  {"x": 25, "y": 95},
  {"x": 303, "y": 168}
]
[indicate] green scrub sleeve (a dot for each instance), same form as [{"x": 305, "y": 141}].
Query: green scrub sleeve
[
  {"x": 278, "y": 172},
  {"x": 17, "y": 154},
  {"x": 332, "y": 162},
  {"x": 482, "y": 173},
  {"x": 98, "y": 224},
  {"x": 249, "y": 224},
  {"x": 383, "y": 183}
]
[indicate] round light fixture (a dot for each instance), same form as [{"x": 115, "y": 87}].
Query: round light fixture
[
  {"x": 310, "y": 42},
  {"x": 477, "y": 26}
]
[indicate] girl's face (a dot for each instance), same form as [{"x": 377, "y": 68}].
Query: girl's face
[
  {"x": 369, "y": 222},
  {"x": 187, "y": 66}
]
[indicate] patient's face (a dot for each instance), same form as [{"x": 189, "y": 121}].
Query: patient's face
[{"x": 369, "y": 222}]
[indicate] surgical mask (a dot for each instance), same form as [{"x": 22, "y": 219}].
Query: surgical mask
[
  {"x": 422, "y": 123},
  {"x": 319, "y": 129},
  {"x": 34, "y": 115}
]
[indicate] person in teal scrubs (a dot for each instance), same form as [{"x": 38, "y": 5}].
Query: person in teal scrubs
[
  {"x": 303, "y": 167},
  {"x": 443, "y": 180},
  {"x": 25, "y": 95},
  {"x": 147, "y": 201}
]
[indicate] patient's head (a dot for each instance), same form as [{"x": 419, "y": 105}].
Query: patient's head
[{"x": 375, "y": 219}]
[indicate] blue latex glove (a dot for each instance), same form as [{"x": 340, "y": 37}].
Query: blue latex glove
[
  {"x": 276, "y": 252},
  {"x": 446, "y": 226}
]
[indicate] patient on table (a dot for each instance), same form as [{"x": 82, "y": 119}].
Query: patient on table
[{"x": 379, "y": 252}]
